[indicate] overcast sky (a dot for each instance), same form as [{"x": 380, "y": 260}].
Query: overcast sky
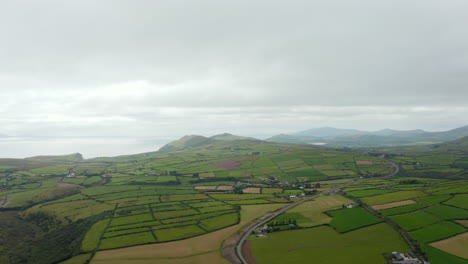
[{"x": 170, "y": 68}]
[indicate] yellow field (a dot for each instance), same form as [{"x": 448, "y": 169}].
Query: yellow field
[
  {"x": 205, "y": 187},
  {"x": 251, "y": 190},
  {"x": 462, "y": 222},
  {"x": 314, "y": 209},
  {"x": 392, "y": 205},
  {"x": 456, "y": 245},
  {"x": 207, "y": 175},
  {"x": 208, "y": 257},
  {"x": 224, "y": 188},
  {"x": 202, "y": 249},
  {"x": 271, "y": 190}
]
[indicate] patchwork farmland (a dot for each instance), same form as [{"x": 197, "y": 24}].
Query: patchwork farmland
[{"x": 129, "y": 209}]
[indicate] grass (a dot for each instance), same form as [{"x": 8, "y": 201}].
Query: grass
[
  {"x": 169, "y": 206},
  {"x": 91, "y": 240},
  {"x": 218, "y": 222},
  {"x": 247, "y": 202},
  {"x": 437, "y": 256},
  {"x": 402, "y": 209},
  {"x": 172, "y": 214},
  {"x": 353, "y": 218},
  {"x": 314, "y": 210},
  {"x": 392, "y": 197},
  {"x": 176, "y": 233},
  {"x": 460, "y": 200},
  {"x": 201, "y": 204},
  {"x": 131, "y": 219},
  {"x": 182, "y": 197},
  {"x": 128, "y": 240},
  {"x": 29, "y": 197},
  {"x": 79, "y": 259},
  {"x": 447, "y": 212},
  {"x": 235, "y": 197},
  {"x": 215, "y": 208},
  {"x": 414, "y": 220},
  {"x": 324, "y": 245},
  {"x": 92, "y": 180},
  {"x": 194, "y": 217},
  {"x": 125, "y": 232},
  {"x": 135, "y": 225},
  {"x": 437, "y": 231},
  {"x": 183, "y": 251},
  {"x": 166, "y": 179},
  {"x": 433, "y": 199},
  {"x": 364, "y": 193}
]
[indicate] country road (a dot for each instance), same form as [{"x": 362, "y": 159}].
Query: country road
[{"x": 232, "y": 246}]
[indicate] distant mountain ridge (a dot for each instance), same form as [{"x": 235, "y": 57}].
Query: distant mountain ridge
[
  {"x": 192, "y": 141},
  {"x": 351, "y": 137},
  {"x": 325, "y": 132}
]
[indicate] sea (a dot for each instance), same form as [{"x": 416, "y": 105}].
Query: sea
[{"x": 89, "y": 147}]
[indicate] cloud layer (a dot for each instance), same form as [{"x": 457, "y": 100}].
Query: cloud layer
[{"x": 145, "y": 68}]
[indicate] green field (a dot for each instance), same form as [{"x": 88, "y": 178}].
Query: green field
[
  {"x": 460, "y": 200},
  {"x": 79, "y": 259},
  {"x": 414, "y": 220},
  {"x": 437, "y": 231},
  {"x": 346, "y": 219},
  {"x": 156, "y": 197},
  {"x": 402, "y": 209},
  {"x": 179, "y": 232},
  {"x": 447, "y": 212},
  {"x": 93, "y": 236},
  {"x": 434, "y": 199},
  {"x": 392, "y": 197},
  {"x": 321, "y": 244},
  {"x": 127, "y": 240},
  {"x": 437, "y": 256},
  {"x": 364, "y": 193}
]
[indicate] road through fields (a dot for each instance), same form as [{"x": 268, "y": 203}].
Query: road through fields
[{"x": 232, "y": 246}]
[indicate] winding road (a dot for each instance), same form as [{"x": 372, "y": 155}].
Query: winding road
[{"x": 232, "y": 246}]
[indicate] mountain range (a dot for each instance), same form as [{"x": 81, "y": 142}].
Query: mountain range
[{"x": 356, "y": 138}]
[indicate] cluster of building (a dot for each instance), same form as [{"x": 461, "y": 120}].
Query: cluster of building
[{"x": 406, "y": 258}]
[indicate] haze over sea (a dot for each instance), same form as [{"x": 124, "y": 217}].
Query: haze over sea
[{"x": 89, "y": 147}]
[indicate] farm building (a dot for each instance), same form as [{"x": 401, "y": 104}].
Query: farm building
[{"x": 406, "y": 258}]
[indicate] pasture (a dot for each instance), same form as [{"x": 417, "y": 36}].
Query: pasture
[
  {"x": 414, "y": 220},
  {"x": 322, "y": 243},
  {"x": 437, "y": 231},
  {"x": 392, "y": 197},
  {"x": 348, "y": 219}
]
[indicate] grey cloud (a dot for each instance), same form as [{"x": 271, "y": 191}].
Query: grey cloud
[{"x": 145, "y": 67}]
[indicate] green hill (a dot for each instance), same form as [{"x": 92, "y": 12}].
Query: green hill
[
  {"x": 75, "y": 157},
  {"x": 192, "y": 141},
  {"x": 185, "y": 142},
  {"x": 230, "y": 137}
]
